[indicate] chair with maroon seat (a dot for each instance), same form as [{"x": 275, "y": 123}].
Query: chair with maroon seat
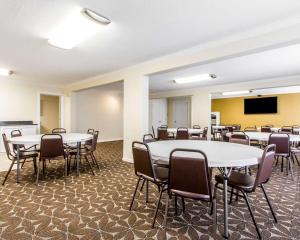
[
  {"x": 162, "y": 133},
  {"x": 189, "y": 177},
  {"x": 59, "y": 130},
  {"x": 146, "y": 171},
  {"x": 247, "y": 184},
  {"x": 203, "y": 135},
  {"x": 23, "y": 156},
  {"x": 147, "y": 138},
  {"x": 182, "y": 133},
  {"x": 282, "y": 142},
  {"x": 239, "y": 137},
  {"x": 286, "y": 129},
  {"x": 52, "y": 148},
  {"x": 265, "y": 129}
]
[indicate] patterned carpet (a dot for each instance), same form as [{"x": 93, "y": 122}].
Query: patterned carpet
[{"x": 89, "y": 207}]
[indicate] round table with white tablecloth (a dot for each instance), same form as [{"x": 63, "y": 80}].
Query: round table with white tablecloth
[
  {"x": 222, "y": 155},
  {"x": 264, "y": 136}
]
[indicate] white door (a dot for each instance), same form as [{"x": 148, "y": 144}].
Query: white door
[
  {"x": 157, "y": 113},
  {"x": 181, "y": 113}
]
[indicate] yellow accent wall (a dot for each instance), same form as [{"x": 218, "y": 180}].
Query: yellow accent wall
[{"x": 232, "y": 112}]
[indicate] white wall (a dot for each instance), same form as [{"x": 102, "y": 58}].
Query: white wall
[
  {"x": 101, "y": 109},
  {"x": 19, "y": 99}
]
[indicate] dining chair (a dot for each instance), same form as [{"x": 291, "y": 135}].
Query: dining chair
[
  {"x": 286, "y": 129},
  {"x": 265, "y": 129},
  {"x": 147, "y": 138},
  {"x": 250, "y": 129},
  {"x": 196, "y": 134},
  {"x": 52, "y": 148},
  {"x": 203, "y": 135},
  {"x": 182, "y": 133},
  {"x": 90, "y": 131},
  {"x": 189, "y": 177},
  {"x": 87, "y": 151},
  {"x": 295, "y": 151},
  {"x": 22, "y": 147},
  {"x": 23, "y": 156},
  {"x": 296, "y": 129},
  {"x": 247, "y": 184},
  {"x": 59, "y": 130},
  {"x": 196, "y": 126},
  {"x": 162, "y": 133},
  {"x": 240, "y": 138},
  {"x": 282, "y": 142},
  {"x": 144, "y": 169}
]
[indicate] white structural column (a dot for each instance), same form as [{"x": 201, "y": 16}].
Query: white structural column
[
  {"x": 201, "y": 109},
  {"x": 136, "y": 112}
]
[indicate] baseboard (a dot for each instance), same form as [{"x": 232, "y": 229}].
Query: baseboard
[
  {"x": 129, "y": 160},
  {"x": 109, "y": 140}
]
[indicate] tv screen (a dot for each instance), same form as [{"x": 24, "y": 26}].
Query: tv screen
[{"x": 260, "y": 105}]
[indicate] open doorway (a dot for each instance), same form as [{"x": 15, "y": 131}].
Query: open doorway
[{"x": 50, "y": 112}]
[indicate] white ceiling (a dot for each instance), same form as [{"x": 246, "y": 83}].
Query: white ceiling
[
  {"x": 140, "y": 30},
  {"x": 259, "y": 66}
]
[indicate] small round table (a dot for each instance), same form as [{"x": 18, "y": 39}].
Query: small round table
[
  {"x": 68, "y": 138},
  {"x": 221, "y": 155}
]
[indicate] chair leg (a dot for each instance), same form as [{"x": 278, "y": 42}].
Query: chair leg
[
  {"x": 137, "y": 185},
  {"x": 268, "y": 201},
  {"x": 144, "y": 180},
  {"x": 281, "y": 164},
  {"x": 297, "y": 159},
  {"x": 276, "y": 160},
  {"x": 251, "y": 213},
  {"x": 147, "y": 191},
  {"x": 37, "y": 172},
  {"x": 157, "y": 205},
  {"x": 8, "y": 172},
  {"x": 183, "y": 204},
  {"x": 290, "y": 167},
  {"x": 166, "y": 210},
  {"x": 175, "y": 200},
  {"x": 90, "y": 165},
  {"x": 34, "y": 165},
  {"x": 23, "y": 163},
  {"x": 231, "y": 196},
  {"x": 66, "y": 169},
  {"x": 95, "y": 160}
]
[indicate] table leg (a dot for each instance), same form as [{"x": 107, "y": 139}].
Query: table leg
[
  {"x": 225, "y": 172},
  {"x": 78, "y": 157},
  {"x": 18, "y": 163}
]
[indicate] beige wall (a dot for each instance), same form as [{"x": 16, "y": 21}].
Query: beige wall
[
  {"x": 100, "y": 109},
  {"x": 49, "y": 113}
]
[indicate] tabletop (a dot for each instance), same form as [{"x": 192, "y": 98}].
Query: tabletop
[
  {"x": 264, "y": 136},
  {"x": 190, "y": 130},
  {"x": 68, "y": 138},
  {"x": 219, "y": 154}
]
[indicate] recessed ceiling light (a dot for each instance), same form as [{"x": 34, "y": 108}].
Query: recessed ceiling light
[
  {"x": 76, "y": 28},
  {"x": 5, "y": 72},
  {"x": 236, "y": 92},
  {"x": 197, "y": 78}
]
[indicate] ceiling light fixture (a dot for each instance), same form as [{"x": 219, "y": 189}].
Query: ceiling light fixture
[
  {"x": 197, "y": 78},
  {"x": 236, "y": 92},
  {"x": 5, "y": 72},
  {"x": 77, "y": 28}
]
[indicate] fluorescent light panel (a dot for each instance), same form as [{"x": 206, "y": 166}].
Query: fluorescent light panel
[
  {"x": 197, "y": 78},
  {"x": 78, "y": 27},
  {"x": 236, "y": 92},
  {"x": 5, "y": 72}
]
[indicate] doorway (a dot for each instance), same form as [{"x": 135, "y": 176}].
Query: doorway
[{"x": 50, "y": 113}]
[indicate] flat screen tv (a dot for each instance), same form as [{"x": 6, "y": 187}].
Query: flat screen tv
[{"x": 263, "y": 105}]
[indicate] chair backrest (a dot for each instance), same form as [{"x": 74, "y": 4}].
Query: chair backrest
[
  {"x": 182, "y": 133},
  {"x": 16, "y": 133},
  {"x": 282, "y": 142},
  {"x": 230, "y": 128},
  {"x": 94, "y": 141},
  {"x": 147, "y": 138},
  {"x": 269, "y": 125},
  {"x": 240, "y": 138},
  {"x": 51, "y": 146},
  {"x": 90, "y": 131},
  {"x": 236, "y": 127},
  {"x": 265, "y": 129},
  {"x": 7, "y": 147},
  {"x": 265, "y": 167},
  {"x": 204, "y": 134},
  {"x": 196, "y": 127},
  {"x": 142, "y": 160},
  {"x": 250, "y": 129},
  {"x": 162, "y": 133},
  {"x": 190, "y": 175},
  {"x": 59, "y": 130},
  {"x": 296, "y": 129},
  {"x": 286, "y": 129}
]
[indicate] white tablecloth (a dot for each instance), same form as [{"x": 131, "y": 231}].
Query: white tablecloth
[
  {"x": 190, "y": 130},
  {"x": 264, "y": 136}
]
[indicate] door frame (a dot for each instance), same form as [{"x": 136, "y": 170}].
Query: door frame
[{"x": 61, "y": 108}]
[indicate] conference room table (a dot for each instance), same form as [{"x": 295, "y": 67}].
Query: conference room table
[
  {"x": 221, "y": 155},
  {"x": 264, "y": 136},
  {"x": 190, "y": 130},
  {"x": 68, "y": 138}
]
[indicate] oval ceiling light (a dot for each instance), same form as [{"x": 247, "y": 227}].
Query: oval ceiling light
[
  {"x": 76, "y": 28},
  {"x": 95, "y": 16},
  {"x": 5, "y": 72}
]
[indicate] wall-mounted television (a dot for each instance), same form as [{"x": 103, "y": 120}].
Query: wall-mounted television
[{"x": 262, "y": 105}]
